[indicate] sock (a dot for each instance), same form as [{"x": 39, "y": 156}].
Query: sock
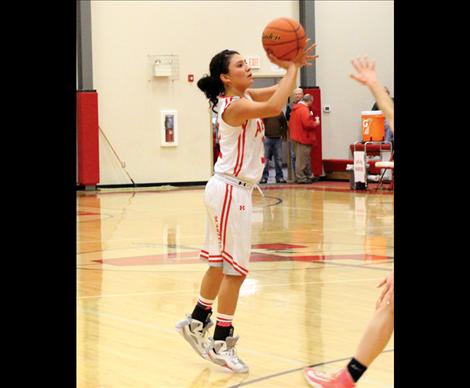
[
  {"x": 203, "y": 310},
  {"x": 223, "y": 327},
  {"x": 356, "y": 369}
]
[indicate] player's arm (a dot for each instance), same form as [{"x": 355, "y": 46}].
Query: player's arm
[
  {"x": 366, "y": 75},
  {"x": 384, "y": 102},
  {"x": 241, "y": 110},
  {"x": 262, "y": 94}
]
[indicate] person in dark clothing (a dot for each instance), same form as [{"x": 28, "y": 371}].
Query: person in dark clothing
[{"x": 275, "y": 130}]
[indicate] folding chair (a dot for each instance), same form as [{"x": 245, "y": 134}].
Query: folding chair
[{"x": 385, "y": 165}]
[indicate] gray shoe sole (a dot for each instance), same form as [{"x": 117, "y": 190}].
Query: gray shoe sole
[
  {"x": 225, "y": 365},
  {"x": 189, "y": 339}
]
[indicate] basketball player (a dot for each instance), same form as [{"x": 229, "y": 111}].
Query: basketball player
[
  {"x": 380, "y": 327},
  {"x": 227, "y": 195}
]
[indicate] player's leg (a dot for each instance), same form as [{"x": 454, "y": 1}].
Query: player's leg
[
  {"x": 236, "y": 243},
  {"x": 378, "y": 332},
  {"x": 376, "y": 336},
  {"x": 301, "y": 160},
  {"x": 308, "y": 161},
  {"x": 194, "y": 328}
]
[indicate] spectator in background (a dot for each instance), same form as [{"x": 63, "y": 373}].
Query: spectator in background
[
  {"x": 298, "y": 94},
  {"x": 301, "y": 128},
  {"x": 275, "y": 130}
]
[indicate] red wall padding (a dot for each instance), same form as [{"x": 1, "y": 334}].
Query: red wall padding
[{"x": 87, "y": 138}]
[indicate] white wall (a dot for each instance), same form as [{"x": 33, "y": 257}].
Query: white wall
[
  {"x": 344, "y": 30},
  {"x": 125, "y": 33}
]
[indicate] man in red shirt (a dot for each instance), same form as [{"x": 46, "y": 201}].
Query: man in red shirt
[{"x": 301, "y": 129}]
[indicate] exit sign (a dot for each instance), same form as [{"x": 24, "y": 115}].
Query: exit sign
[{"x": 254, "y": 62}]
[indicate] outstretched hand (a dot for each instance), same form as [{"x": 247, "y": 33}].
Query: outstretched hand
[
  {"x": 302, "y": 59},
  {"x": 365, "y": 68},
  {"x": 388, "y": 282}
]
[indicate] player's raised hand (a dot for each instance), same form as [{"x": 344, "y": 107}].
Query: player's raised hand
[
  {"x": 365, "y": 68},
  {"x": 303, "y": 58}
]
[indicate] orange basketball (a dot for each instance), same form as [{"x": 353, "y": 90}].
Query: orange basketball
[{"x": 284, "y": 37}]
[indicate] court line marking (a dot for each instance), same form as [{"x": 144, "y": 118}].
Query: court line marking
[
  {"x": 147, "y": 245},
  {"x": 260, "y": 286},
  {"x": 173, "y": 331},
  {"x": 253, "y": 270},
  {"x": 298, "y": 369},
  {"x": 356, "y": 266},
  {"x": 387, "y": 229},
  {"x": 198, "y": 270}
]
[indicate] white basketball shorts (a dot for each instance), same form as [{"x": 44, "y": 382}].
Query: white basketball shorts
[{"x": 228, "y": 228}]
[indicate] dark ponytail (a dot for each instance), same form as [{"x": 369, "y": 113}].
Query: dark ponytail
[
  {"x": 212, "y": 88},
  {"x": 212, "y": 85}
]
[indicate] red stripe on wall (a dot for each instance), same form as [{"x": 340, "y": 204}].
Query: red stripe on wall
[{"x": 88, "y": 158}]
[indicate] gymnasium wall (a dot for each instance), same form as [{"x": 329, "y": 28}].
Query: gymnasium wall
[
  {"x": 344, "y": 30},
  {"x": 125, "y": 33}
]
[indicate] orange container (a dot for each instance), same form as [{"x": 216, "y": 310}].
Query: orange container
[{"x": 373, "y": 125}]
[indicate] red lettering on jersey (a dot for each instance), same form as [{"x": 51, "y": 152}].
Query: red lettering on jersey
[
  {"x": 242, "y": 207},
  {"x": 263, "y": 160},
  {"x": 217, "y": 226}
]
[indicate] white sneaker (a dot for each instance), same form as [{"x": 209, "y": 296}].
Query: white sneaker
[
  {"x": 195, "y": 333},
  {"x": 223, "y": 353}
]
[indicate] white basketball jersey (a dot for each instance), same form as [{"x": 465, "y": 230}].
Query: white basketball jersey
[{"x": 241, "y": 148}]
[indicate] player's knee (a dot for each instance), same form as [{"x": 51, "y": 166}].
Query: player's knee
[
  {"x": 216, "y": 271},
  {"x": 237, "y": 279}
]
